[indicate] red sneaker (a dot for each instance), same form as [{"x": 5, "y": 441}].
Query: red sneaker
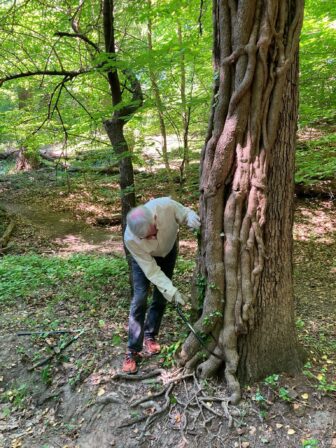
[
  {"x": 129, "y": 364},
  {"x": 151, "y": 346}
]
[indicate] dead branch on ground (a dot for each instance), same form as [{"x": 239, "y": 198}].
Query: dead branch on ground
[
  {"x": 4, "y": 240},
  {"x": 49, "y": 358}
]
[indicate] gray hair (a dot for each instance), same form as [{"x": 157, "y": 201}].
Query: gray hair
[{"x": 139, "y": 219}]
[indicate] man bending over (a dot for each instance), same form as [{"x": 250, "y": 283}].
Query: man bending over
[{"x": 150, "y": 237}]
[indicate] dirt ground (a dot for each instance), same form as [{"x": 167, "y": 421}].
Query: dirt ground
[{"x": 87, "y": 403}]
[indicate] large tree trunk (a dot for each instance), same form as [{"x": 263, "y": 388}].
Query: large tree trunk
[{"x": 245, "y": 257}]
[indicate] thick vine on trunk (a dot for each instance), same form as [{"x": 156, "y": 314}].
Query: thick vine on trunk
[{"x": 247, "y": 194}]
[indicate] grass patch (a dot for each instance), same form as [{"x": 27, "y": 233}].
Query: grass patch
[
  {"x": 83, "y": 275},
  {"x": 316, "y": 160}
]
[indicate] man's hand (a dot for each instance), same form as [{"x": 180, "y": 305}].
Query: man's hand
[
  {"x": 179, "y": 299},
  {"x": 193, "y": 220}
]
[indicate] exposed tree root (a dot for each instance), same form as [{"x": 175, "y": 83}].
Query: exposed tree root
[
  {"x": 191, "y": 409},
  {"x": 150, "y": 419},
  {"x": 143, "y": 376}
]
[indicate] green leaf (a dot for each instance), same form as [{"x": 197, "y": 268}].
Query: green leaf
[{"x": 116, "y": 339}]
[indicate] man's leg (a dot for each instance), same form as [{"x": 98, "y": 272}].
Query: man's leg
[
  {"x": 158, "y": 305},
  {"x": 137, "y": 309}
]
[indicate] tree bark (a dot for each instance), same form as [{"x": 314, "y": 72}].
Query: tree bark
[
  {"x": 115, "y": 126},
  {"x": 247, "y": 182}
]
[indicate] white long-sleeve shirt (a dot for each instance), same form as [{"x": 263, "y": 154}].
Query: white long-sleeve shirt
[{"x": 169, "y": 214}]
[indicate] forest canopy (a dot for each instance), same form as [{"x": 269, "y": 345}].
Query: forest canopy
[{"x": 44, "y": 109}]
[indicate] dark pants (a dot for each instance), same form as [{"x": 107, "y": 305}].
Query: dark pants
[{"x": 138, "y": 326}]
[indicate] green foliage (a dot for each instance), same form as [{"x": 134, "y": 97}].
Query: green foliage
[
  {"x": 36, "y": 111},
  {"x": 168, "y": 352},
  {"x": 80, "y": 275},
  {"x": 116, "y": 339},
  {"x": 316, "y": 160},
  {"x": 184, "y": 266},
  {"x": 6, "y": 166},
  {"x": 284, "y": 394},
  {"x": 259, "y": 398},
  {"x": 16, "y": 395},
  {"x": 6, "y": 411},
  {"x": 318, "y": 62},
  {"x": 211, "y": 318},
  {"x": 201, "y": 284},
  {"x": 325, "y": 385},
  {"x": 310, "y": 443},
  {"x": 272, "y": 380},
  {"x": 320, "y": 377},
  {"x": 299, "y": 324},
  {"x": 46, "y": 375}
]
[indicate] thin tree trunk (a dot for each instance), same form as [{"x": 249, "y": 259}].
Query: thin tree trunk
[
  {"x": 115, "y": 126},
  {"x": 157, "y": 97},
  {"x": 246, "y": 186},
  {"x": 184, "y": 107}
]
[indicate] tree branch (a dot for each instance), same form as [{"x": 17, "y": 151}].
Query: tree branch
[
  {"x": 108, "y": 21},
  {"x": 59, "y": 86},
  {"x": 79, "y": 36},
  {"x": 74, "y": 21},
  {"x": 68, "y": 73},
  {"x": 77, "y": 101},
  {"x": 137, "y": 98}
]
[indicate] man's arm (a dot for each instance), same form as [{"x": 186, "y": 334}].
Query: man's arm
[{"x": 185, "y": 215}]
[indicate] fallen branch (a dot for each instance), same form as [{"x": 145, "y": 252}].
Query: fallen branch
[
  {"x": 46, "y": 333},
  {"x": 324, "y": 189},
  {"x": 49, "y": 358},
  {"x": 55, "y": 158},
  {"x": 52, "y": 156},
  {"x": 9, "y": 154},
  {"x": 108, "y": 221},
  {"x": 4, "y": 240}
]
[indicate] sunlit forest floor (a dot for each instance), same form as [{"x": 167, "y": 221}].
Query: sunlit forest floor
[{"x": 65, "y": 269}]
